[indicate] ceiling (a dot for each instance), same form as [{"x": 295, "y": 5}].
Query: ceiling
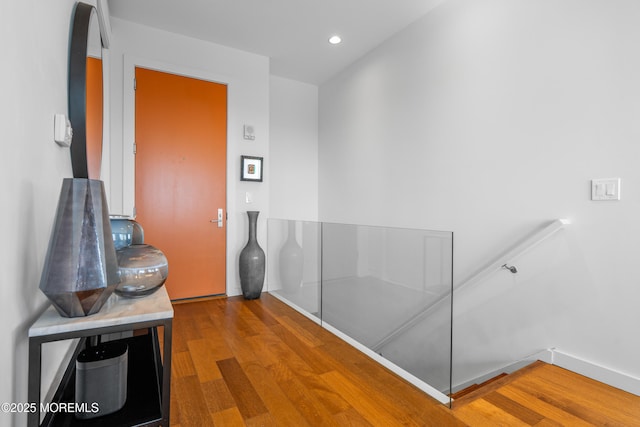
[{"x": 292, "y": 33}]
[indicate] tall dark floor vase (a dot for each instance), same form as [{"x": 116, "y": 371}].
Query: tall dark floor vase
[{"x": 252, "y": 262}]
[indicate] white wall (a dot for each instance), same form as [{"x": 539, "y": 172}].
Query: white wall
[
  {"x": 33, "y": 83},
  {"x": 293, "y": 109},
  {"x": 247, "y": 76},
  {"x": 489, "y": 118},
  {"x": 293, "y": 161}
]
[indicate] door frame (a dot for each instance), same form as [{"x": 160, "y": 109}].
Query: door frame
[{"x": 129, "y": 132}]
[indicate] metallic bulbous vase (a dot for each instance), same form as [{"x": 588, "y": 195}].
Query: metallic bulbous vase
[{"x": 143, "y": 270}]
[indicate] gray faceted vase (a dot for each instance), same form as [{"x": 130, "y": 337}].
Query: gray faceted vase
[
  {"x": 252, "y": 262},
  {"x": 80, "y": 271}
]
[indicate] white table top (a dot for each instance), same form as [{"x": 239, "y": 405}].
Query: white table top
[{"x": 116, "y": 311}]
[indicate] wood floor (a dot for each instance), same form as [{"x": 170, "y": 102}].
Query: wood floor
[
  {"x": 547, "y": 395},
  {"x": 260, "y": 363}
]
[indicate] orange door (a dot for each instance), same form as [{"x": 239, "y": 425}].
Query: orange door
[
  {"x": 181, "y": 140},
  {"x": 94, "y": 116}
]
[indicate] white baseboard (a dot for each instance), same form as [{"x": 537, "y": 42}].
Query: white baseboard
[{"x": 597, "y": 372}]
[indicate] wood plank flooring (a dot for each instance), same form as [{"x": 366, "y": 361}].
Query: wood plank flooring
[
  {"x": 547, "y": 395},
  {"x": 260, "y": 363}
]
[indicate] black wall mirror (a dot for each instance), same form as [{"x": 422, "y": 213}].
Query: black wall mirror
[{"x": 85, "y": 93}]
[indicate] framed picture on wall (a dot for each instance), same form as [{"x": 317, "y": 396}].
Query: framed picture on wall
[{"x": 251, "y": 168}]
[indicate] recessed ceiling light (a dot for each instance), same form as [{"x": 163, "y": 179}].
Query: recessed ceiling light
[{"x": 335, "y": 40}]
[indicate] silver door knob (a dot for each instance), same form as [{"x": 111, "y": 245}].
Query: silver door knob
[{"x": 219, "y": 220}]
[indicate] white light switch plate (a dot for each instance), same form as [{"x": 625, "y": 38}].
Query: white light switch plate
[{"x": 605, "y": 189}]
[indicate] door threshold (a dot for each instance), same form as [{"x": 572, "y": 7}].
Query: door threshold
[{"x": 197, "y": 299}]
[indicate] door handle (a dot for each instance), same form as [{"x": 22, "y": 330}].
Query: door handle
[{"x": 219, "y": 221}]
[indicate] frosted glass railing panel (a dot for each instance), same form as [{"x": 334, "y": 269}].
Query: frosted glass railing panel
[
  {"x": 293, "y": 263},
  {"x": 505, "y": 320},
  {"x": 375, "y": 280}
]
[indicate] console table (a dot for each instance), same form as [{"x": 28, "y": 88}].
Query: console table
[{"x": 149, "y": 374}]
